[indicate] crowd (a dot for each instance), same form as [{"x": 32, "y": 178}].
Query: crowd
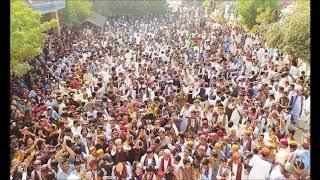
[{"x": 170, "y": 97}]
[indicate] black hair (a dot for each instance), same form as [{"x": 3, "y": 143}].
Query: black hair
[
  {"x": 292, "y": 131},
  {"x": 215, "y": 155},
  {"x": 177, "y": 158},
  {"x": 186, "y": 160},
  {"x": 230, "y": 124},
  {"x": 205, "y": 161}
]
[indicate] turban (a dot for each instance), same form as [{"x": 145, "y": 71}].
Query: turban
[
  {"x": 218, "y": 145},
  {"x": 265, "y": 151},
  {"x": 235, "y": 147},
  {"x": 100, "y": 152},
  {"x": 167, "y": 152},
  {"x": 292, "y": 142},
  {"x": 284, "y": 141}
]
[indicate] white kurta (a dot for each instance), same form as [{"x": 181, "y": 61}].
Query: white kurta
[
  {"x": 276, "y": 174},
  {"x": 305, "y": 115},
  {"x": 297, "y": 108},
  {"x": 260, "y": 169}
]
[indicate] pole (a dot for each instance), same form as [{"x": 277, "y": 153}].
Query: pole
[{"x": 58, "y": 26}]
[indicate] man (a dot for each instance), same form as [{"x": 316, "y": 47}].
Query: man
[
  {"x": 283, "y": 102},
  {"x": 226, "y": 146},
  {"x": 224, "y": 171},
  {"x": 203, "y": 142},
  {"x": 51, "y": 102},
  {"x": 50, "y": 113},
  {"x": 283, "y": 152},
  {"x": 278, "y": 171},
  {"x": 187, "y": 171},
  {"x": 193, "y": 123},
  {"x": 76, "y": 173},
  {"x": 36, "y": 173},
  {"x": 165, "y": 161},
  {"x": 238, "y": 171},
  {"x": 149, "y": 175},
  {"x": 121, "y": 171},
  {"x": 164, "y": 140},
  {"x": 296, "y": 105},
  {"x": 246, "y": 142},
  {"x": 150, "y": 158},
  {"x": 221, "y": 116},
  {"x": 118, "y": 153},
  {"x": 260, "y": 167},
  {"x": 304, "y": 154},
  {"x": 64, "y": 171},
  {"x": 205, "y": 170}
]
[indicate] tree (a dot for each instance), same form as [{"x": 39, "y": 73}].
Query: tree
[
  {"x": 27, "y": 36},
  {"x": 292, "y": 34},
  {"x": 257, "y": 12},
  {"x": 76, "y": 11}
]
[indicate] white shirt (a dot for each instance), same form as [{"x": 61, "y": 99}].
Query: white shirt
[
  {"x": 149, "y": 161},
  {"x": 276, "y": 174},
  {"x": 260, "y": 169},
  {"x": 74, "y": 175},
  {"x": 61, "y": 175}
]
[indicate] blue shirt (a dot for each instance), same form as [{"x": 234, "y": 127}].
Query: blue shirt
[{"x": 305, "y": 158}]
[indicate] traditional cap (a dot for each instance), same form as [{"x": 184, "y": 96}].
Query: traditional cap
[
  {"x": 100, "y": 152},
  {"x": 167, "y": 152},
  {"x": 284, "y": 141},
  {"x": 139, "y": 165},
  {"x": 196, "y": 101},
  {"x": 293, "y": 143},
  {"x": 162, "y": 129},
  {"x": 235, "y": 147},
  {"x": 149, "y": 150},
  {"x": 218, "y": 145},
  {"x": 265, "y": 151},
  {"x": 92, "y": 148},
  {"x": 190, "y": 143},
  {"x": 118, "y": 142},
  {"x": 37, "y": 162},
  {"x": 289, "y": 167}
]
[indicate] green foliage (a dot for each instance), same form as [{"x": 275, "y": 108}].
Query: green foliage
[
  {"x": 257, "y": 12},
  {"x": 292, "y": 34},
  {"x": 131, "y": 8},
  {"x": 206, "y": 3},
  {"x": 26, "y": 35},
  {"x": 75, "y": 12}
]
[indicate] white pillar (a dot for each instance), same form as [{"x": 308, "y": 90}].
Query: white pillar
[{"x": 58, "y": 25}]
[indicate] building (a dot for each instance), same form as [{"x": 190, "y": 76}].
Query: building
[{"x": 48, "y": 7}]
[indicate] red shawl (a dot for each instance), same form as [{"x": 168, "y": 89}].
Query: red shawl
[
  {"x": 248, "y": 145},
  {"x": 162, "y": 163},
  {"x": 239, "y": 169}
]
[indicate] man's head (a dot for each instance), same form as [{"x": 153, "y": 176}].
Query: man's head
[{"x": 65, "y": 166}]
